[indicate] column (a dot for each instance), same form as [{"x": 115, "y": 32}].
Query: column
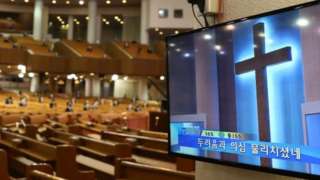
[
  {"x": 45, "y": 22},
  {"x": 35, "y": 83},
  {"x": 144, "y": 36},
  {"x": 69, "y": 88},
  {"x": 87, "y": 87},
  {"x": 92, "y": 13},
  {"x": 96, "y": 87},
  {"x": 70, "y": 29},
  {"x": 40, "y": 20},
  {"x": 143, "y": 89},
  {"x": 98, "y": 29},
  {"x": 130, "y": 29}
]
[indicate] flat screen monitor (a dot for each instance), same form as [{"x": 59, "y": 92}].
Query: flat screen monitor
[{"x": 238, "y": 92}]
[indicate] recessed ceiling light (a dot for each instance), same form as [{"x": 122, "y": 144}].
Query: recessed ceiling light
[
  {"x": 124, "y": 1},
  {"x": 53, "y": 1},
  {"x": 302, "y": 22},
  {"x": 207, "y": 36},
  {"x": 217, "y": 47},
  {"x": 26, "y": 1},
  {"x": 108, "y": 2},
  {"x": 162, "y": 78},
  {"x": 114, "y": 77},
  {"x": 12, "y": 0},
  {"x": 230, "y": 27},
  {"x": 67, "y": 2},
  {"x": 20, "y": 75},
  {"x": 186, "y": 55},
  {"x": 81, "y": 2}
]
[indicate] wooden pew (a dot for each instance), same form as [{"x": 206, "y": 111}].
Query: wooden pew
[
  {"x": 35, "y": 171},
  {"x": 38, "y": 175},
  {"x": 147, "y": 149},
  {"x": 25, "y": 151},
  {"x": 128, "y": 170},
  {"x": 142, "y": 144},
  {"x": 4, "y": 171},
  {"x": 93, "y": 154},
  {"x": 102, "y": 150}
]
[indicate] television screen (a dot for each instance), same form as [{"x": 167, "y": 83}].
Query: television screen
[{"x": 237, "y": 92}]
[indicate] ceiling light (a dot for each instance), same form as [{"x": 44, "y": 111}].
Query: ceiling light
[
  {"x": 172, "y": 45},
  {"x": 176, "y": 32},
  {"x": 12, "y": 0},
  {"x": 160, "y": 33},
  {"x": 87, "y": 18},
  {"x": 31, "y": 74},
  {"x": 67, "y": 2},
  {"x": 46, "y": 73},
  {"x": 53, "y": 1},
  {"x": 124, "y": 1},
  {"x": 107, "y": 22},
  {"x": 178, "y": 50},
  {"x": 162, "y": 78},
  {"x": 81, "y": 2},
  {"x": 114, "y": 77},
  {"x": 302, "y": 22},
  {"x": 230, "y": 27},
  {"x": 9, "y": 67},
  {"x": 108, "y": 2},
  {"x": 125, "y": 78},
  {"x": 26, "y": 1},
  {"x": 217, "y": 47},
  {"x": 186, "y": 55},
  {"x": 156, "y": 29},
  {"x": 261, "y": 35},
  {"x": 121, "y": 22},
  {"x": 91, "y": 74},
  {"x": 77, "y": 22},
  {"x": 20, "y": 75},
  {"x": 116, "y": 17},
  {"x": 207, "y": 36},
  {"x": 104, "y": 19}
]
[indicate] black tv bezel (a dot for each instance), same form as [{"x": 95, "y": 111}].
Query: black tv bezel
[{"x": 223, "y": 162}]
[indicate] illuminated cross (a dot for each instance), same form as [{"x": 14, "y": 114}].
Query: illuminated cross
[{"x": 259, "y": 64}]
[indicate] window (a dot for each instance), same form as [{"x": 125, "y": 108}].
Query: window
[
  {"x": 163, "y": 13},
  {"x": 178, "y": 13}
]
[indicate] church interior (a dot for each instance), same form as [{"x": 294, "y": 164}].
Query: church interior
[{"x": 83, "y": 87}]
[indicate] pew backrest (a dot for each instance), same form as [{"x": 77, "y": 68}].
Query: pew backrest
[{"x": 135, "y": 171}]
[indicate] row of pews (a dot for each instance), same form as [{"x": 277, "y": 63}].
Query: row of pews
[
  {"x": 32, "y": 46},
  {"x": 138, "y": 51},
  {"x": 83, "y": 49},
  {"x": 89, "y": 150},
  {"x": 33, "y": 172}
]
